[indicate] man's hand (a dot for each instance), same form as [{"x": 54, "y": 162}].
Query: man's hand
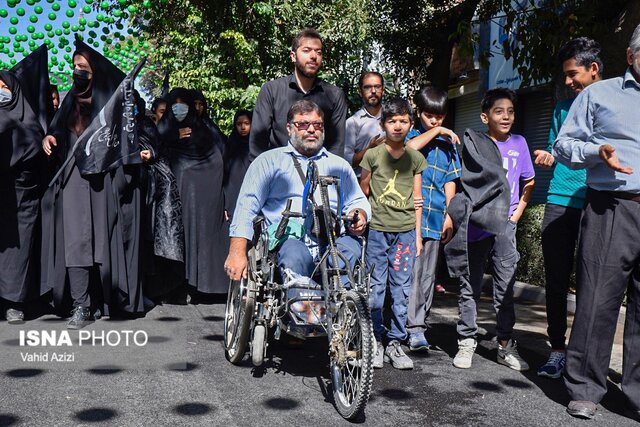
[
  {"x": 447, "y": 229},
  {"x": 48, "y": 143},
  {"x": 358, "y": 227},
  {"x": 543, "y": 159},
  {"x": 184, "y": 133},
  {"x": 376, "y": 140},
  {"x": 451, "y": 135},
  {"x": 608, "y": 154},
  {"x": 236, "y": 264},
  {"x": 145, "y": 155}
]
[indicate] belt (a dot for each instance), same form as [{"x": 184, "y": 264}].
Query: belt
[{"x": 635, "y": 197}]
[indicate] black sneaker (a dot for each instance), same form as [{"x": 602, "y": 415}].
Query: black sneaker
[
  {"x": 79, "y": 318},
  {"x": 14, "y": 317}
]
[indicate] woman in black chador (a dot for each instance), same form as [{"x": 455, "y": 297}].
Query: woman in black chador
[
  {"x": 197, "y": 165},
  {"x": 20, "y": 164},
  {"x": 91, "y": 223},
  {"x": 202, "y": 111},
  {"x": 236, "y": 159}
]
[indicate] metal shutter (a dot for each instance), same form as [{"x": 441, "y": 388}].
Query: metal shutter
[
  {"x": 467, "y": 114},
  {"x": 536, "y": 111}
]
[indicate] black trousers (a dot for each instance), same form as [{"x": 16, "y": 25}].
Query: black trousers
[
  {"x": 560, "y": 228},
  {"x": 608, "y": 263}
]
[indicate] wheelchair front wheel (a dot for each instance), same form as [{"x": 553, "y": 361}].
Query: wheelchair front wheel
[
  {"x": 237, "y": 319},
  {"x": 351, "y": 353},
  {"x": 258, "y": 344}
]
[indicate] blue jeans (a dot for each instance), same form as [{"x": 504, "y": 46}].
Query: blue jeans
[
  {"x": 295, "y": 255},
  {"x": 392, "y": 256}
]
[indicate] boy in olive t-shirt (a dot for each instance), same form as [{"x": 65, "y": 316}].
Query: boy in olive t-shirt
[{"x": 391, "y": 178}]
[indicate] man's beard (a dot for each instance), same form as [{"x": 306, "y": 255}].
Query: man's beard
[
  {"x": 373, "y": 104},
  {"x": 307, "y": 148},
  {"x": 300, "y": 68}
]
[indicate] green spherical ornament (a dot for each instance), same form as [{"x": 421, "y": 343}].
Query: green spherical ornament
[
  {"x": 32, "y": 43},
  {"x": 132, "y": 9},
  {"x": 54, "y": 50},
  {"x": 74, "y": 28},
  {"x": 117, "y": 13},
  {"x": 33, "y": 18},
  {"x": 13, "y": 61},
  {"x": 86, "y": 9},
  {"x": 105, "y": 30},
  {"x": 48, "y": 27},
  {"x": 69, "y": 13},
  {"x": 122, "y": 2},
  {"x": 72, "y": 3},
  {"x": 58, "y": 32},
  {"x": 38, "y": 9},
  {"x": 55, "y": 6},
  {"x": 12, "y": 30},
  {"x": 13, "y": 20},
  {"x": 100, "y": 17},
  {"x": 50, "y": 34},
  {"x": 16, "y": 45},
  {"x": 10, "y": 54},
  {"x": 104, "y": 5},
  {"x": 20, "y": 11},
  {"x": 66, "y": 24},
  {"x": 11, "y": 3},
  {"x": 3, "y": 13},
  {"x": 81, "y": 27},
  {"x": 96, "y": 44},
  {"x": 88, "y": 1},
  {"x": 66, "y": 31},
  {"x": 51, "y": 16},
  {"x": 152, "y": 67},
  {"x": 31, "y": 28},
  {"x": 31, "y": 2},
  {"x": 67, "y": 49},
  {"x": 82, "y": 21}
]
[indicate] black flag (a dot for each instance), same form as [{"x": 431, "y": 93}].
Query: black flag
[
  {"x": 111, "y": 140},
  {"x": 165, "y": 86}
]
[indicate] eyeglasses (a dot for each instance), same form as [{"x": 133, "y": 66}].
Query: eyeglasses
[
  {"x": 305, "y": 125},
  {"x": 369, "y": 88}
]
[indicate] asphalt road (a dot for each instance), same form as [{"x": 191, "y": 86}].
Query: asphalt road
[{"x": 180, "y": 377}]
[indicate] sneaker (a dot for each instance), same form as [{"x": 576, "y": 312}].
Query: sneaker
[
  {"x": 509, "y": 356},
  {"x": 554, "y": 366},
  {"x": 395, "y": 355},
  {"x": 440, "y": 289},
  {"x": 417, "y": 342},
  {"x": 464, "y": 356},
  {"x": 14, "y": 316},
  {"x": 79, "y": 318},
  {"x": 378, "y": 358}
]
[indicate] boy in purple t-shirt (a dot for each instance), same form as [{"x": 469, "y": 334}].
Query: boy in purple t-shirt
[{"x": 498, "y": 115}]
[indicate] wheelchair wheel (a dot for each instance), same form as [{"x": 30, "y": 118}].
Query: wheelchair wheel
[
  {"x": 237, "y": 319},
  {"x": 258, "y": 344},
  {"x": 351, "y": 352}
]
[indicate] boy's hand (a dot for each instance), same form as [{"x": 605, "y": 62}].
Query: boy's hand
[
  {"x": 453, "y": 138},
  {"x": 418, "y": 203},
  {"x": 608, "y": 154},
  {"x": 515, "y": 217},
  {"x": 48, "y": 144},
  {"x": 145, "y": 155},
  {"x": 543, "y": 158},
  {"x": 418, "y": 246},
  {"x": 376, "y": 140},
  {"x": 447, "y": 229}
]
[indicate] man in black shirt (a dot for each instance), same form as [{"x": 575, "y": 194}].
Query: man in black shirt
[{"x": 269, "y": 126}]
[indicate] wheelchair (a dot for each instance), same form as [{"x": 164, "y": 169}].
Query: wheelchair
[{"x": 304, "y": 308}]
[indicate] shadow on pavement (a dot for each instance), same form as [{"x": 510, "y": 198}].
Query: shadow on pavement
[
  {"x": 24, "y": 373},
  {"x": 96, "y": 415},
  {"x": 182, "y": 366},
  {"x": 105, "y": 370},
  {"x": 191, "y": 409},
  {"x": 281, "y": 403},
  {"x": 8, "y": 419}
]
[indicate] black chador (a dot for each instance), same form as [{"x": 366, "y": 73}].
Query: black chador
[
  {"x": 197, "y": 165},
  {"x": 21, "y": 162},
  {"x": 91, "y": 221}
]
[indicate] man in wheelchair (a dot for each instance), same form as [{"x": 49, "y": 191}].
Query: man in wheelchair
[{"x": 277, "y": 176}]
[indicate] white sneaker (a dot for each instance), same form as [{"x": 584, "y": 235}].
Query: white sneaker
[
  {"x": 509, "y": 356},
  {"x": 378, "y": 358},
  {"x": 466, "y": 348}
]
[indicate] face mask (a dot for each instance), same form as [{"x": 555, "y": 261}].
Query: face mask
[
  {"x": 81, "y": 79},
  {"x": 5, "y": 96},
  {"x": 180, "y": 111}
]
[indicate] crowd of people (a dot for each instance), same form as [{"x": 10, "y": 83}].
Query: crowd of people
[{"x": 172, "y": 226}]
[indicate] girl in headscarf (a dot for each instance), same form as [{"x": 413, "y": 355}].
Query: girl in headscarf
[
  {"x": 236, "y": 159},
  {"x": 197, "y": 165},
  {"x": 91, "y": 253},
  {"x": 162, "y": 229},
  {"x": 202, "y": 111},
  {"x": 20, "y": 164}
]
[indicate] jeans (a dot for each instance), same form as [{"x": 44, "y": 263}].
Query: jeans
[
  {"x": 504, "y": 256},
  {"x": 392, "y": 256}
]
